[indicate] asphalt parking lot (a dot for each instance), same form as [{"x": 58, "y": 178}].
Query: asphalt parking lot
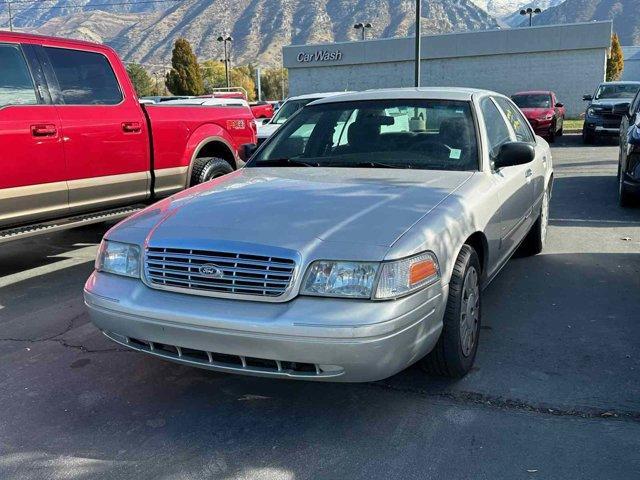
[{"x": 555, "y": 393}]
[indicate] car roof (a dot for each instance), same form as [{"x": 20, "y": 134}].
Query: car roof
[
  {"x": 528, "y": 92},
  {"x": 621, "y": 82},
  {"x": 30, "y": 37},
  {"x": 315, "y": 95},
  {"x": 434, "y": 93}
]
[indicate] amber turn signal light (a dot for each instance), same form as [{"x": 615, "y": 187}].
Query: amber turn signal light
[{"x": 422, "y": 270}]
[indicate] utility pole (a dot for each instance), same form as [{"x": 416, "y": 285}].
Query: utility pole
[
  {"x": 418, "y": 40},
  {"x": 259, "y": 85},
  {"x": 226, "y": 39},
  {"x": 10, "y": 15}
]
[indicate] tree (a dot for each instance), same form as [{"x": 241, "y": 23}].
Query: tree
[
  {"x": 273, "y": 80},
  {"x": 241, "y": 77},
  {"x": 185, "y": 77},
  {"x": 615, "y": 62},
  {"x": 142, "y": 81},
  {"x": 213, "y": 75}
]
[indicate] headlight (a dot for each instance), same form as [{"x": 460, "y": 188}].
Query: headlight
[
  {"x": 357, "y": 279},
  {"x": 591, "y": 112},
  {"x": 119, "y": 258},
  {"x": 407, "y": 275},
  {"x": 340, "y": 279},
  {"x": 547, "y": 116}
]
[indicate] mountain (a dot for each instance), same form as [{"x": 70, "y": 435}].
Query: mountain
[
  {"x": 143, "y": 33},
  {"x": 624, "y": 13}
]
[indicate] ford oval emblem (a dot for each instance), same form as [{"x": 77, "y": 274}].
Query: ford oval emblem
[{"x": 211, "y": 271}]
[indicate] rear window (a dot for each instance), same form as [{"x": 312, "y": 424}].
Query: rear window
[
  {"x": 16, "y": 85},
  {"x": 85, "y": 78}
]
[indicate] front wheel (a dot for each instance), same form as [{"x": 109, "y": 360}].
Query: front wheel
[
  {"x": 455, "y": 352},
  {"x": 625, "y": 198},
  {"x": 536, "y": 239},
  {"x": 589, "y": 138}
]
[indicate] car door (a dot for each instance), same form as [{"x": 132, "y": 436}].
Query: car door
[
  {"x": 625, "y": 130},
  {"x": 105, "y": 134},
  {"x": 536, "y": 171},
  {"x": 33, "y": 178},
  {"x": 514, "y": 190}
]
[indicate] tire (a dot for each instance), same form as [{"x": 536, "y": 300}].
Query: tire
[
  {"x": 551, "y": 137},
  {"x": 561, "y": 131},
  {"x": 625, "y": 197},
  {"x": 455, "y": 352},
  {"x": 536, "y": 239},
  {"x": 208, "y": 168},
  {"x": 588, "y": 138}
]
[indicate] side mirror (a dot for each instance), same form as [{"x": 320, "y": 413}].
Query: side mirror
[
  {"x": 559, "y": 105},
  {"x": 621, "y": 109},
  {"x": 514, "y": 153},
  {"x": 587, "y": 98},
  {"x": 245, "y": 151}
]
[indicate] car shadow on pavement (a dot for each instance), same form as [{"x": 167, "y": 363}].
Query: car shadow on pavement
[{"x": 572, "y": 140}]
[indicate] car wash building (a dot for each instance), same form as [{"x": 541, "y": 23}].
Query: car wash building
[{"x": 568, "y": 59}]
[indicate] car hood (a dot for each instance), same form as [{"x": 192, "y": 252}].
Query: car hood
[
  {"x": 536, "y": 112},
  {"x": 294, "y": 207},
  {"x": 610, "y": 102},
  {"x": 267, "y": 130}
]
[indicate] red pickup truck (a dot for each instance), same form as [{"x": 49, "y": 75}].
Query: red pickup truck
[{"x": 75, "y": 140}]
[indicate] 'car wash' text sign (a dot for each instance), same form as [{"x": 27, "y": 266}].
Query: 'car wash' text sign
[{"x": 320, "y": 56}]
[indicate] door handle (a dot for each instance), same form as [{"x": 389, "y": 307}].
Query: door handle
[
  {"x": 44, "y": 130},
  {"x": 131, "y": 127},
  {"x": 528, "y": 174}
]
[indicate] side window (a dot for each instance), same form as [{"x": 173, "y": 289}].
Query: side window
[
  {"x": 517, "y": 120},
  {"x": 16, "y": 84},
  {"x": 497, "y": 130},
  {"x": 85, "y": 78}
]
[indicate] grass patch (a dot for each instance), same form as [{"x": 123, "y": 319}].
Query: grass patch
[{"x": 573, "y": 124}]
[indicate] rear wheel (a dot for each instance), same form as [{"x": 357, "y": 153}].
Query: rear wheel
[
  {"x": 208, "y": 168},
  {"x": 455, "y": 352}
]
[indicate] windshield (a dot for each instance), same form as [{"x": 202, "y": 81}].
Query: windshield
[
  {"x": 289, "y": 108},
  {"x": 421, "y": 134},
  {"x": 533, "y": 100},
  {"x": 617, "y": 90}
]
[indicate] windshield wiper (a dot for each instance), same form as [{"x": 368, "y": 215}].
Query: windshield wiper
[
  {"x": 379, "y": 165},
  {"x": 291, "y": 162}
]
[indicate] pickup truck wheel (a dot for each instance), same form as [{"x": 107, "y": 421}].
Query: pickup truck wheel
[
  {"x": 455, "y": 352},
  {"x": 208, "y": 168},
  {"x": 535, "y": 240},
  {"x": 589, "y": 138}
]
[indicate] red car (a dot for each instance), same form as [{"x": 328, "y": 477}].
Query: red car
[
  {"x": 262, "y": 109},
  {"x": 544, "y": 112},
  {"x": 77, "y": 146}
]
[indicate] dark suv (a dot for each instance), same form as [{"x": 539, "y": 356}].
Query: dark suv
[
  {"x": 629, "y": 158},
  {"x": 606, "y": 109}
]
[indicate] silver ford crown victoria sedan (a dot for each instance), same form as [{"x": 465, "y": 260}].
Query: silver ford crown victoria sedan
[{"x": 355, "y": 242}]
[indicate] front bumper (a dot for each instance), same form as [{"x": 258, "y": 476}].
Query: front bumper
[
  {"x": 309, "y": 338},
  {"x": 602, "y": 126}
]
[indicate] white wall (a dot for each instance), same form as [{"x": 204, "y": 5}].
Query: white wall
[{"x": 570, "y": 74}]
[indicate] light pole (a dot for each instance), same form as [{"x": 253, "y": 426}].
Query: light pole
[
  {"x": 363, "y": 27},
  {"x": 418, "y": 40},
  {"x": 531, "y": 12},
  {"x": 10, "y": 15},
  {"x": 227, "y": 51}
]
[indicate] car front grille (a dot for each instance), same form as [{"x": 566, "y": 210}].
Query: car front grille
[{"x": 205, "y": 271}]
